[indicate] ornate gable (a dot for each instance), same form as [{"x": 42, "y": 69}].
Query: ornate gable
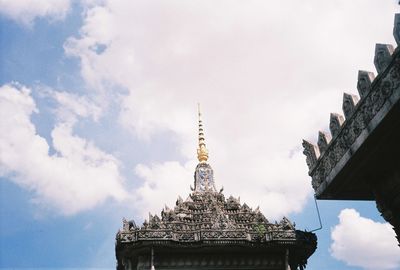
[{"x": 208, "y": 228}]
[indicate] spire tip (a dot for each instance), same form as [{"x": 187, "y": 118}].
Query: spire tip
[{"x": 202, "y": 152}]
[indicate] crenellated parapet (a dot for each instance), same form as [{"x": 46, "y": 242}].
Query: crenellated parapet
[
  {"x": 361, "y": 115},
  {"x": 365, "y": 79}
]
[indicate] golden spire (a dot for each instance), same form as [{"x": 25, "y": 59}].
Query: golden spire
[{"x": 202, "y": 152}]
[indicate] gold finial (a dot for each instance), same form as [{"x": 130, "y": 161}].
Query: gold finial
[{"x": 202, "y": 152}]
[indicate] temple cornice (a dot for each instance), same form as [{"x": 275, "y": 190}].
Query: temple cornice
[{"x": 378, "y": 97}]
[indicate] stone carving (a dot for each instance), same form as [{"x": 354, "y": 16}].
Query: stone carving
[
  {"x": 383, "y": 55},
  {"x": 323, "y": 141},
  {"x": 349, "y": 104},
  {"x": 396, "y": 28},
  {"x": 345, "y": 134},
  {"x": 232, "y": 203},
  {"x": 335, "y": 124},
  {"x": 208, "y": 215},
  {"x": 365, "y": 78},
  {"x": 312, "y": 153},
  {"x": 128, "y": 225},
  {"x": 204, "y": 179},
  {"x": 286, "y": 224},
  {"x": 125, "y": 225},
  {"x": 374, "y": 94}
]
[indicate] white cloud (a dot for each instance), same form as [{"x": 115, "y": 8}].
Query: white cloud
[
  {"x": 266, "y": 74},
  {"x": 362, "y": 242},
  {"x": 77, "y": 177},
  {"x": 25, "y": 11},
  {"x": 163, "y": 182},
  {"x": 71, "y": 106}
]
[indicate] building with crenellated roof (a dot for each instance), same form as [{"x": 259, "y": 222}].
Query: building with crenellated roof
[
  {"x": 359, "y": 159},
  {"x": 209, "y": 231}
]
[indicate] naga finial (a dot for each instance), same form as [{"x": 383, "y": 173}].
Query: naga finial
[{"x": 202, "y": 152}]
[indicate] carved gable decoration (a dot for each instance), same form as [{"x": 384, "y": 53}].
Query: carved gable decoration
[
  {"x": 383, "y": 55},
  {"x": 207, "y": 216},
  {"x": 378, "y": 96},
  {"x": 323, "y": 141},
  {"x": 349, "y": 103},
  {"x": 336, "y": 122},
  {"x": 311, "y": 152},
  {"x": 364, "y": 81}
]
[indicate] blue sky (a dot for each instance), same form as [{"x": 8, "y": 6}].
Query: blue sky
[{"x": 98, "y": 107}]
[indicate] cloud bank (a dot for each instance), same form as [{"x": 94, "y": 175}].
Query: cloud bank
[
  {"x": 25, "y": 11},
  {"x": 77, "y": 177},
  {"x": 266, "y": 74},
  {"x": 362, "y": 242}
]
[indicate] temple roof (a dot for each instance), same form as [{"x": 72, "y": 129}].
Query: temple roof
[
  {"x": 207, "y": 218},
  {"x": 208, "y": 215},
  {"x": 366, "y": 134}
]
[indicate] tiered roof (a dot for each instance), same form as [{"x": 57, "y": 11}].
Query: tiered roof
[{"x": 208, "y": 219}]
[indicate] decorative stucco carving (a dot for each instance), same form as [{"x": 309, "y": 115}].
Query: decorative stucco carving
[
  {"x": 365, "y": 79},
  {"x": 324, "y": 139},
  {"x": 312, "y": 153},
  {"x": 374, "y": 92},
  {"x": 367, "y": 108},
  {"x": 349, "y": 103},
  {"x": 383, "y": 55},
  {"x": 335, "y": 124},
  {"x": 208, "y": 216}
]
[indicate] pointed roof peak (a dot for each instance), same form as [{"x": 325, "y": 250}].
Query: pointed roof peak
[
  {"x": 203, "y": 176},
  {"x": 202, "y": 152}
]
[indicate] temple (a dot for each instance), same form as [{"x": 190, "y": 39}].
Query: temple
[
  {"x": 209, "y": 231},
  {"x": 359, "y": 159}
]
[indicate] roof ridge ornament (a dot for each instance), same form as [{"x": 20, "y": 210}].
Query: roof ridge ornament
[
  {"x": 202, "y": 152},
  {"x": 349, "y": 104},
  {"x": 204, "y": 174},
  {"x": 324, "y": 138},
  {"x": 335, "y": 125},
  {"x": 383, "y": 56},
  {"x": 396, "y": 28},
  {"x": 364, "y": 81}
]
